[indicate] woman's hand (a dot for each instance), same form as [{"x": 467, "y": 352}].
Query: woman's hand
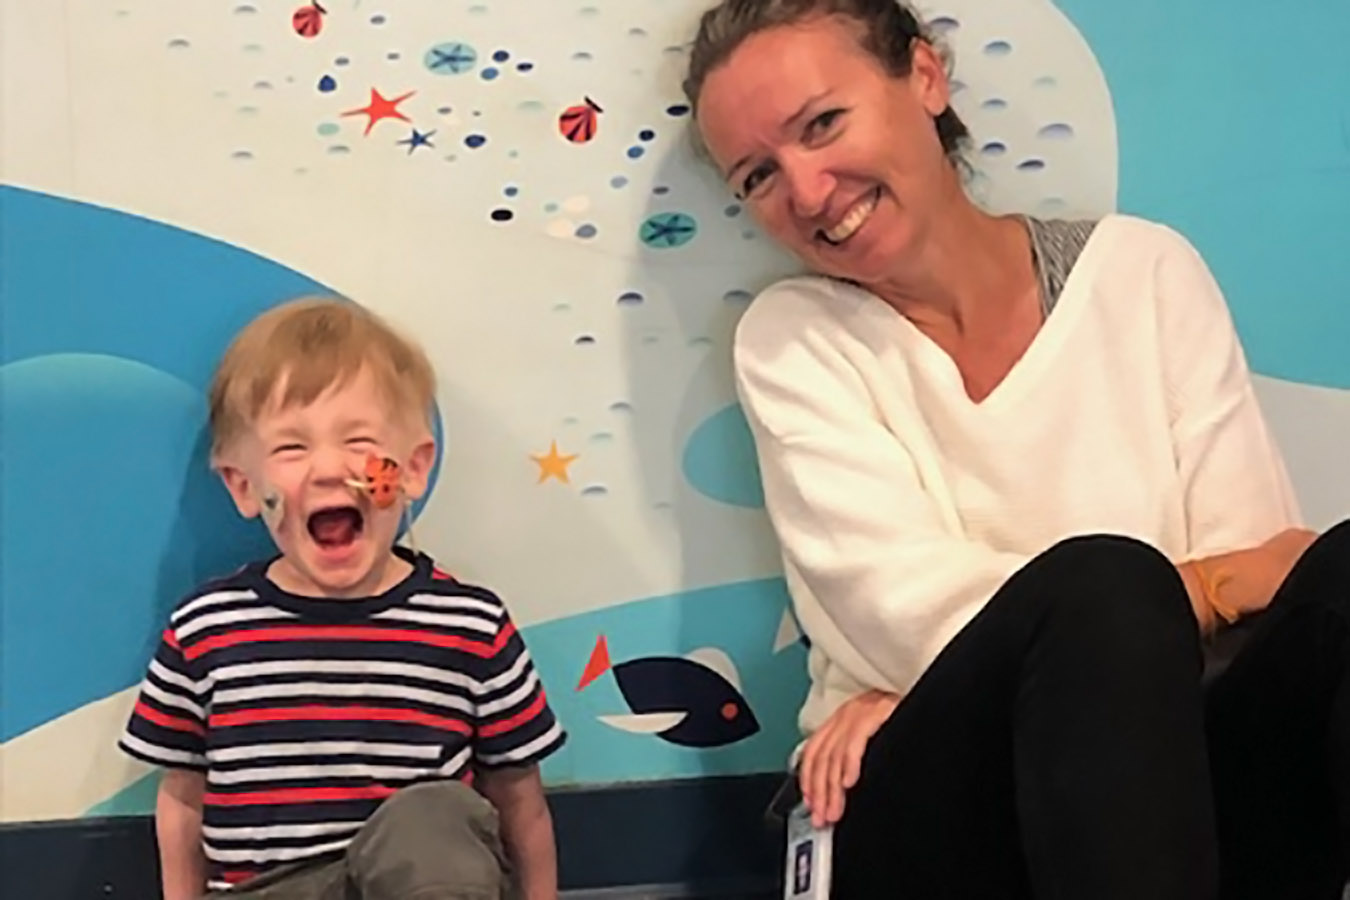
[
  {"x": 1237, "y": 584},
  {"x": 832, "y": 757}
]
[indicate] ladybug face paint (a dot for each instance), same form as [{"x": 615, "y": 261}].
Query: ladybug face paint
[{"x": 381, "y": 481}]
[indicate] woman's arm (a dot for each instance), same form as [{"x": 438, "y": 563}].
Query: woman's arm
[{"x": 1243, "y": 523}]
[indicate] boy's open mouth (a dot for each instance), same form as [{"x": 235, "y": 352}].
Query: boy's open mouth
[{"x": 336, "y": 526}]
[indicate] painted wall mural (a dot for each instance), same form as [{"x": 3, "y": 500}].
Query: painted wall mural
[{"x": 514, "y": 183}]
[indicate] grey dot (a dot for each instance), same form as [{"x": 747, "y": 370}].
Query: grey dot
[
  {"x": 586, "y": 231},
  {"x": 997, "y": 48},
  {"x": 995, "y": 103},
  {"x": 179, "y": 44},
  {"x": 1031, "y": 165},
  {"x": 594, "y": 490},
  {"x": 621, "y": 406},
  {"x": 1056, "y": 131},
  {"x": 737, "y": 296},
  {"x": 339, "y": 149},
  {"x": 262, "y": 85},
  {"x": 582, "y": 56}
]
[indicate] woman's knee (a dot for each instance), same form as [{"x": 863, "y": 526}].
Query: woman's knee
[{"x": 1116, "y": 587}]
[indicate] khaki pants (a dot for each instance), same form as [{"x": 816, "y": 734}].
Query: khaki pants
[{"x": 431, "y": 841}]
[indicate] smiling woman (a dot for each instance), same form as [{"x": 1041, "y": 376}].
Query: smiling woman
[{"x": 1032, "y": 518}]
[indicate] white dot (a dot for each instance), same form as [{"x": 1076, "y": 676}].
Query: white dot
[
  {"x": 577, "y": 204},
  {"x": 559, "y": 228}
]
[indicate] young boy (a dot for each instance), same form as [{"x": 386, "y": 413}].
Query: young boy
[{"x": 320, "y": 714}]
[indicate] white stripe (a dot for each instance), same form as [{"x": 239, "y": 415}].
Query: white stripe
[
  {"x": 332, "y": 770},
  {"x": 215, "y": 598},
  {"x": 162, "y": 754},
  {"x": 169, "y": 676},
  {"x": 456, "y": 762},
  {"x": 491, "y": 610},
  {"x": 321, "y": 690},
  {"x": 511, "y": 699},
  {"x": 525, "y": 750},
  {"x": 442, "y": 619},
  {"x": 177, "y": 701},
  {"x": 325, "y": 748},
  {"x": 231, "y": 616},
  {"x": 279, "y": 854},
  {"x": 274, "y": 832},
  {"x": 369, "y": 668},
  {"x": 497, "y": 682}
]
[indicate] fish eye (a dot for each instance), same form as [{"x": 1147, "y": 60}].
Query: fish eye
[{"x": 730, "y": 711}]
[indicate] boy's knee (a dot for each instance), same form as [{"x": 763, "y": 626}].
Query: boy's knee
[{"x": 433, "y": 840}]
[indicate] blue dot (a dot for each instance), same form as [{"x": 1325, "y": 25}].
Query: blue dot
[
  {"x": 327, "y": 83},
  {"x": 679, "y": 109},
  {"x": 501, "y": 56},
  {"x": 475, "y": 140},
  {"x": 634, "y": 152},
  {"x": 524, "y": 67},
  {"x": 646, "y": 134},
  {"x": 719, "y": 460},
  {"x": 994, "y": 148},
  {"x": 511, "y": 190},
  {"x": 617, "y": 182},
  {"x": 341, "y": 61},
  {"x": 1031, "y": 165},
  {"x": 450, "y": 58},
  {"x": 489, "y": 73},
  {"x": 997, "y": 48},
  {"x": 586, "y": 231},
  {"x": 377, "y": 19}
]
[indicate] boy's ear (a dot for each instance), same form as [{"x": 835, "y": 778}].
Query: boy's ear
[
  {"x": 241, "y": 489},
  {"x": 417, "y": 472}
]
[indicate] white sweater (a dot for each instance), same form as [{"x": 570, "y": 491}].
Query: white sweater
[{"x": 901, "y": 505}]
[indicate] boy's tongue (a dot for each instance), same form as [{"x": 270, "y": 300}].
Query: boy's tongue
[{"x": 335, "y": 526}]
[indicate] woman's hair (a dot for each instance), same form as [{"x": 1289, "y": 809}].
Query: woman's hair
[{"x": 889, "y": 31}]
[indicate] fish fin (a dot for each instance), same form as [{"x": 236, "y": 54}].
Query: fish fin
[
  {"x": 717, "y": 660},
  {"x": 598, "y": 665}
]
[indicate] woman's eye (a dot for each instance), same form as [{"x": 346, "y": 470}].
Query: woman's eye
[
  {"x": 754, "y": 179},
  {"x": 823, "y": 122}
]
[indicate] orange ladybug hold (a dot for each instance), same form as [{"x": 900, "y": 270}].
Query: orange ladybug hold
[{"x": 381, "y": 481}]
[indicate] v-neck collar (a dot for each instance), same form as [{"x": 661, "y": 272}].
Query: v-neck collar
[{"x": 1026, "y": 371}]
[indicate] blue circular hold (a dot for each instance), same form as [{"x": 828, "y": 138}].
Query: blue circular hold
[
  {"x": 501, "y": 56},
  {"x": 327, "y": 84},
  {"x": 635, "y": 152},
  {"x": 719, "y": 460},
  {"x": 664, "y": 231},
  {"x": 489, "y": 73},
  {"x": 450, "y": 58},
  {"x": 646, "y": 134},
  {"x": 475, "y": 140},
  {"x": 587, "y": 231},
  {"x": 511, "y": 190}
]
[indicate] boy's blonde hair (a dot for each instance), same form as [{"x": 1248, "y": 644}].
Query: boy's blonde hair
[{"x": 313, "y": 344}]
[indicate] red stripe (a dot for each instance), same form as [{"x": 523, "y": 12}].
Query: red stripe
[
  {"x": 163, "y": 719},
  {"x": 339, "y": 633},
  {"x": 171, "y": 639},
  {"x": 441, "y": 575},
  {"x": 503, "y": 636},
  {"x": 299, "y": 795},
  {"x": 336, "y": 714},
  {"x": 515, "y": 721},
  {"x": 235, "y": 876}
]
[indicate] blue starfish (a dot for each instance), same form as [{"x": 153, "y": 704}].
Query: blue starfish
[
  {"x": 454, "y": 58},
  {"x": 668, "y": 230},
  {"x": 418, "y": 139}
]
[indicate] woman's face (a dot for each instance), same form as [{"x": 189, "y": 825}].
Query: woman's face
[{"x": 836, "y": 159}]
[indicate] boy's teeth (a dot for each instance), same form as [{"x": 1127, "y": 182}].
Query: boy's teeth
[{"x": 853, "y": 221}]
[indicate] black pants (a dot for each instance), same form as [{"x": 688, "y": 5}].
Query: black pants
[{"x": 1065, "y": 746}]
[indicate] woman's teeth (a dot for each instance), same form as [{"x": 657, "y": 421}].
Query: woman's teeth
[{"x": 853, "y": 220}]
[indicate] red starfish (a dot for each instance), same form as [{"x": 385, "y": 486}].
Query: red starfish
[{"x": 380, "y": 108}]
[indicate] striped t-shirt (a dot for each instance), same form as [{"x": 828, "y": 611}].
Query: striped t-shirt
[{"x": 305, "y": 713}]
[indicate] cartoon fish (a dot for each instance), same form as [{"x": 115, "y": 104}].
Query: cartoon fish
[
  {"x": 691, "y": 701},
  {"x": 308, "y": 20},
  {"x": 579, "y": 123}
]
